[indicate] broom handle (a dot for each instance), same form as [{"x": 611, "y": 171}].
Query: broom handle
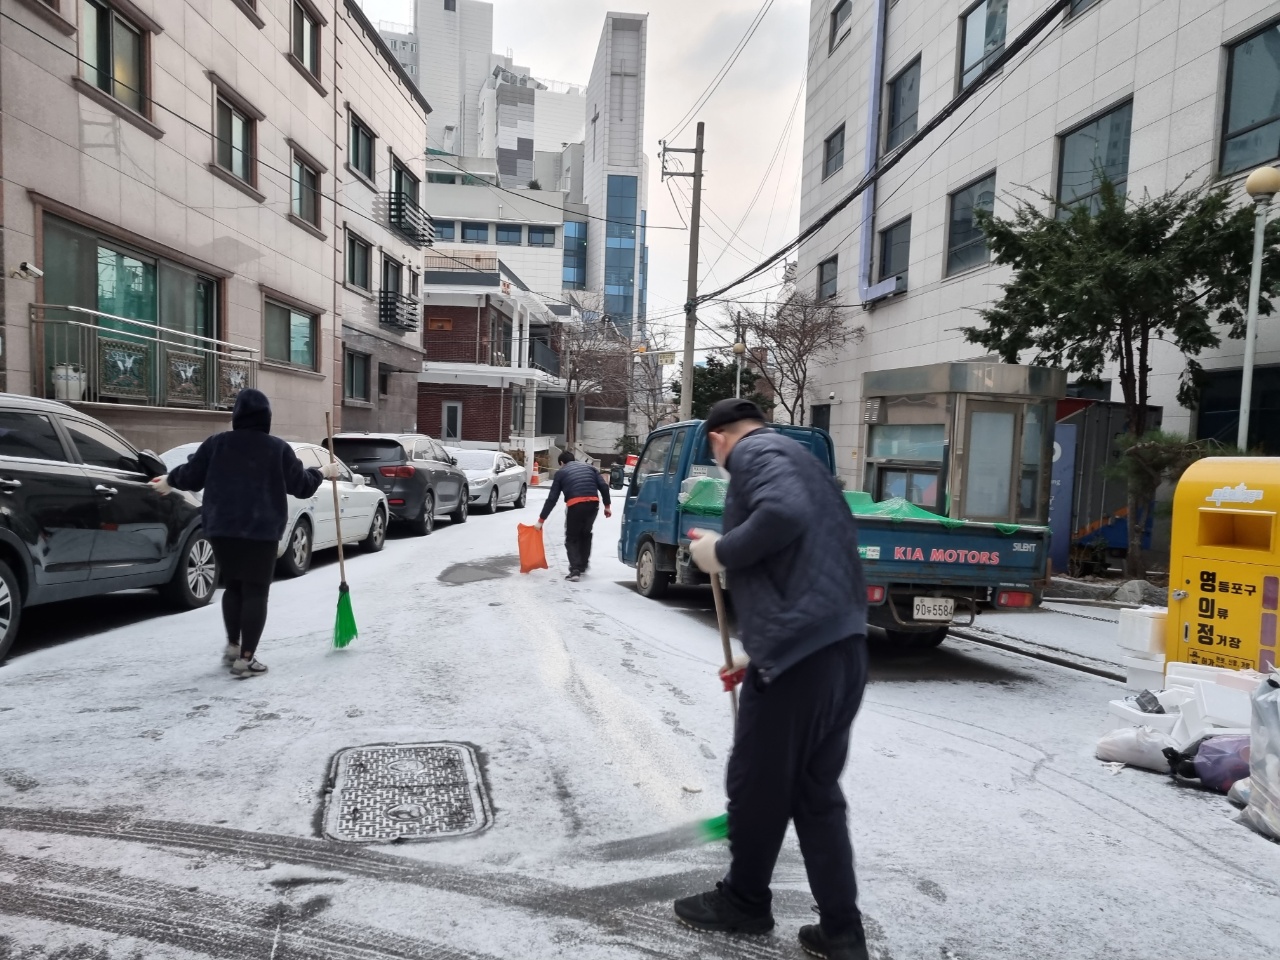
[
  {"x": 337, "y": 509},
  {"x": 718, "y": 593}
]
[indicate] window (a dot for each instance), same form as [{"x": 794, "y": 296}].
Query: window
[
  {"x": 403, "y": 183},
  {"x": 451, "y": 4},
  {"x": 1079, "y": 5},
  {"x": 290, "y": 335},
  {"x": 904, "y": 105},
  {"x": 413, "y": 282},
  {"x": 360, "y": 152},
  {"x": 475, "y": 233},
  {"x": 359, "y": 256},
  {"x": 306, "y": 39},
  {"x": 981, "y": 38},
  {"x": 1251, "y": 128},
  {"x": 98, "y": 448},
  {"x": 828, "y": 271},
  {"x": 575, "y": 255},
  {"x": 442, "y": 178},
  {"x": 392, "y": 272},
  {"x": 355, "y": 384},
  {"x": 1098, "y": 149},
  {"x": 384, "y": 380},
  {"x": 444, "y": 229},
  {"x": 833, "y": 153},
  {"x": 654, "y": 459},
  {"x": 451, "y": 421},
  {"x": 620, "y": 250},
  {"x": 440, "y": 323},
  {"x": 235, "y": 141},
  {"x": 542, "y": 236},
  {"x": 840, "y": 23},
  {"x": 820, "y": 416},
  {"x": 895, "y": 250},
  {"x": 306, "y": 193},
  {"x": 909, "y": 441},
  {"x": 29, "y": 436},
  {"x": 510, "y": 236},
  {"x": 114, "y": 54},
  {"x": 966, "y": 245}
]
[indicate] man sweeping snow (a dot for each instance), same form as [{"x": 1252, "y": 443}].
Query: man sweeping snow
[
  {"x": 583, "y": 487},
  {"x": 790, "y": 546}
]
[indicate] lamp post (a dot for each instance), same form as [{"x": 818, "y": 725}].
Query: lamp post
[
  {"x": 1262, "y": 185},
  {"x": 739, "y": 350}
]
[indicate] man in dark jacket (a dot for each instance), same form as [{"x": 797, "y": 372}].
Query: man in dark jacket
[
  {"x": 247, "y": 476},
  {"x": 583, "y": 486},
  {"x": 790, "y": 547}
]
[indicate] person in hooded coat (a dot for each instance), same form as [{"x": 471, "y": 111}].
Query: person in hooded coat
[{"x": 247, "y": 476}]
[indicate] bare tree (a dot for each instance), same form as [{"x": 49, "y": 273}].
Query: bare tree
[
  {"x": 651, "y": 400},
  {"x": 593, "y": 359},
  {"x": 798, "y": 335}
]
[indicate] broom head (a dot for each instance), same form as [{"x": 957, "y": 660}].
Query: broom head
[{"x": 344, "y": 628}]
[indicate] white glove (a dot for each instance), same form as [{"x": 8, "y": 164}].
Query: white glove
[
  {"x": 331, "y": 471},
  {"x": 162, "y": 485},
  {"x": 703, "y": 550}
]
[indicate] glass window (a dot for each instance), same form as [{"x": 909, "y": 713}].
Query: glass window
[
  {"x": 542, "y": 236},
  {"x": 359, "y": 255},
  {"x": 654, "y": 460},
  {"x": 1078, "y": 5},
  {"x": 441, "y": 178},
  {"x": 113, "y": 54},
  {"x": 360, "y": 150},
  {"x": 895, "y": 250},
  {"x": 575, "y": 255},
  {"x": 392, "y": 274},
  {"x": 306, "y": 39},
  {"x": 1029, "y": 478},
  {"x": 1251, "y": 129},
  {"x": 828, "y": 275},
  {"x": 916, "y": 486},
  {"x": 908, "y": 441},
  {"x": 451, "y": 4},
  {"x": 989, "y": 466},
  {"x": 403, "y": 182},
  {"x": 982, "y": 38},
  {"x": 235, "y": 141},
  {"x": 475, "y": 232},
  {"x": 1098, "y": 149},
  {"x": 904, "y": 105},
  {"x": 444, "y": 229},
  {"x": 29, "y": 436},
  {"x": 290, "y": 336},
  {"x": 833, "y": 153},
  {"x": 840, "y": 23},
  {"x": 510, "y": 236},
  {"x": 306, "y": 193},
  {"x": 452, "y": 422},
  {"x": 966, "y": 245},
  {"x": 820, "y": 416},
  {"x": 620, "y": 250},
  {"x": 356, "y": 382},
  {"x": 677, "y": 447},
  {"x": 98, "y": 448}
]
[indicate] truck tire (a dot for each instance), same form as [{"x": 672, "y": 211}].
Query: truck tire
[
  {"x": 650, "y": 581},
  {"x": 917, "y": 639}
]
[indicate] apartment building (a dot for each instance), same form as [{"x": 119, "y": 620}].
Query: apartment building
[{"x": 1153, "y": 93}]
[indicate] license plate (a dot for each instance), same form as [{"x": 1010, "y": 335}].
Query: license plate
[{"x": 933, "y": 608}]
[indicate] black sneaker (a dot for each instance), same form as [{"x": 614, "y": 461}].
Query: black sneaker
[
  {"x": 849, "y": 946},
  {"x": 718, "y": 912},
  {"x": 573, "y": 577}
]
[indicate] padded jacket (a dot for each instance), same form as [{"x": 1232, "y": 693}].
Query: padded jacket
[{"x": 577, "y": 478}]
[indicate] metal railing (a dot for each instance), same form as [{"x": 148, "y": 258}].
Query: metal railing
[
  {"x": 543, "y": 358},
  {"x": 411, "y": 220},
  {"x": 398, "y": 311},
  {"x": 87, "y": 355},
  {"x": 455, "y": 260}
]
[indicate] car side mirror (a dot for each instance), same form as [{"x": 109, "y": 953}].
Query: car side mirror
[
  {"x": 359, "y": 479},
  {"x": 453, "y": 461},
  {"x": 152, "y": 465}
]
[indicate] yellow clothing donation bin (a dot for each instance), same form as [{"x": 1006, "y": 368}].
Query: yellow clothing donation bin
[{"x": 1224, "y": 567}]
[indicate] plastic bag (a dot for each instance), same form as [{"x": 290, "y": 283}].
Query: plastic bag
[
  {"x": 1263, "y": 811},
  {"x": 1217, "y": 762},
  {"x": 1239, "y": 793},
  {"x": 1136, "y": 746},
  {"x": 533, "y": 556}
]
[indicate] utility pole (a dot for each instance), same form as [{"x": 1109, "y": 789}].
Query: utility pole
[{"x": 691, "y": 306}]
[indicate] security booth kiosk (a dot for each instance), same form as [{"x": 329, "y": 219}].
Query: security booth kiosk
[
  {"x": 1224, "y": 564},
  {"x": 972, "y": 441}
]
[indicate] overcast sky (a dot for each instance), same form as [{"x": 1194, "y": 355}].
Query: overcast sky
[{"x": 689, "y": 40}]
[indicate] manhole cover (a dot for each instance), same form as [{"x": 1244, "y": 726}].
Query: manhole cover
[{"x": 415, "y": 791}]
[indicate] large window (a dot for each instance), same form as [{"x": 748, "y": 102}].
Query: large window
[
  {"x": 29, "y": 436},
  {"x": 100, "y": 448},
  {"x": 114, "y": 52},
  {"x": 966, "y": 244},
  {"x": 475, "y": 232},
  {"x": 1099, "y": 149},
  {"x": 392, "y": 275},
  {"x": 359, "y": 254},
  {"x": 833, "y": 153},
  {"x": 840, "y": 25},
  {"x": 355, "y": 384},
  {"x": 306, "y": 39},
  {"x": 981, "y": 38},
  {"x": 290, "y": 335},
  {"x": 403, "y": 182},
  {"x": 620, "y": 251},
  {"x": 360, "y": 153},
  {"x": 444, "y": 229},
  {"x": 306, "y": 192},
  {"x": 1251, "y": 128},
  {"x": 895, "y": 250},
  {"x": 235, "y": 141},
  {"x": 828, "y": 275},
  {"x": 575, "y": 255},
  {"x": 542, "y": 236},
  {"x": 510, "y": 236},
  {"x": 904, "y": 105}
]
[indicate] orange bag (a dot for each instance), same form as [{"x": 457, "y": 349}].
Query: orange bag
[{"x": 532, "y": 554}]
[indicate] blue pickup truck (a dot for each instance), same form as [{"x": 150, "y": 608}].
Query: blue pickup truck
[{"x": 922, "y": 570}]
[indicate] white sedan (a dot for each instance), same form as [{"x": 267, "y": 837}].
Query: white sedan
[
  {"x": 493, "y": 478},
  {"x": 312, "y": 525}
]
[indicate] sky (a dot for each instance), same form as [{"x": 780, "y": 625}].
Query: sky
[{"x": 689, "y": 41}]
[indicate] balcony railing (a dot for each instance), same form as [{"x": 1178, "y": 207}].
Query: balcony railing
[
  {"x": 410, "y": 220},
  {"x": 86, "y": 355},
  {"x": 398, "y": 311},
  {"x": 544, "y": 358}
]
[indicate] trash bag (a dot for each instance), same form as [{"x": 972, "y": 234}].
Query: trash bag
[
  {"x": 1263, "y": 811},
  {"x": 533, "y": 556},
  {"x": 1217, "y": 762},
  {"x": 1239, "y": 793},
  {"x": 1136, "y": 746}
]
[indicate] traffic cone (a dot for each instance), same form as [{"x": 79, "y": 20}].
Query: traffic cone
[{"x": 535, "y": 481}]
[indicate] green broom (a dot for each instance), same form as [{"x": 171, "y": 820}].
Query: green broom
[{"x": 344, "y": 627}]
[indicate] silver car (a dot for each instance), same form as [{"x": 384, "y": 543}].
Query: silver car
[{"x": 494, "y": 479}]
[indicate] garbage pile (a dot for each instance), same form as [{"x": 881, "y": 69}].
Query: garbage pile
[{"x": 1201, "y": 724}]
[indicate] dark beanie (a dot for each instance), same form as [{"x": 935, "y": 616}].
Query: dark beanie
[
  {"x": 566, "y": 457},
  {"x": 725, "y": 412}
]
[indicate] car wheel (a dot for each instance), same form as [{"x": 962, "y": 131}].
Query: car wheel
[
  {"x": 10, "y": 609},
  {"x": 523, "y": 498},
  {"x": 426, "y": 521},
  {"x": 460, "y": 515},
  {"x": 196, "y": 577},
  {"x": 297, "y": 555},
  {"x": 650, "y": 581},
  {"x": 917, "y": 639},
  {"x": 493, "y": 501},
  {"x": 377, "y": 537}
]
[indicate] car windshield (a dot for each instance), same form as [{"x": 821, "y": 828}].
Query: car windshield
[
  {"x": 178, "y": 455},
  {"x": 361, "y": 450},
  {"x": 475, "y": 459}
]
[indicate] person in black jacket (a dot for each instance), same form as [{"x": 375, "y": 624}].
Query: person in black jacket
[
  {"x": 790, "y": 546},
  {"x": 583, "y": 486},
  {"x": 247, "y": 476}
]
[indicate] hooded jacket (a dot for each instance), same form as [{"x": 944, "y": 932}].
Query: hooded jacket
[{"x": 247, "y": 475}]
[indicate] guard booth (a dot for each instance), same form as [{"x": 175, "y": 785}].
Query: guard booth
[
  {"x": 1224, "y": 564},
  {"x": 972, "y": 441}
]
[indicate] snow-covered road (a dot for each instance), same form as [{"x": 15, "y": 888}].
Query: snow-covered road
[{"x": 152, "y": 806}]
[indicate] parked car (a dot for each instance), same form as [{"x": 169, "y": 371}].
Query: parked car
[
  {"x": 421, "y": 481},
  {"x": 311, "y": 525},
  {"x": 495, "y": 479},
  {"x": 79, "y": 516}
]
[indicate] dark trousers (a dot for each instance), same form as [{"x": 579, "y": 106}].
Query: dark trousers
[
  {"x": 578, "y": 521},
  {"x": 788, "y": 752},
  {"x": 244, "y": 613}
]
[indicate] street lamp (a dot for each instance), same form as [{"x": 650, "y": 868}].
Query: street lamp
[
  {"x": 739, "y": 350},
  {"x": 1262, "y": 185}
]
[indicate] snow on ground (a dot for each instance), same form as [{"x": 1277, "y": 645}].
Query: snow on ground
[
  {"x": 152, "y": 806},
  {"x": 1070, "y": 628}
]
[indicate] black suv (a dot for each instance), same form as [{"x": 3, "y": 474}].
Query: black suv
[
  {"x": 79, "y": 517},
  {"x": 418, "y": 476}
]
